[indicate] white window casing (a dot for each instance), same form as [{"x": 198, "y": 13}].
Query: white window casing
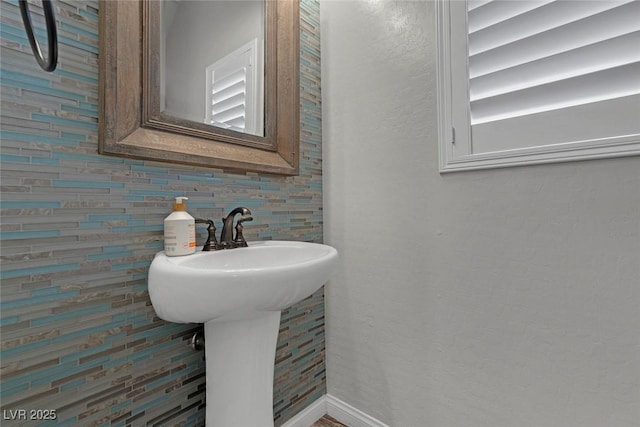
[{"x": 525, "y": 82}]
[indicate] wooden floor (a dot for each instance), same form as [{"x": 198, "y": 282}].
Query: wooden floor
[{"x": 327, "y": 421}]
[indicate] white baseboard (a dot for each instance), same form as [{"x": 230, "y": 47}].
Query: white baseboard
[
  {"x": 336, "y": 408},
  {"x": 309, "y": 415},
  {"x": 350, "y": 416}
]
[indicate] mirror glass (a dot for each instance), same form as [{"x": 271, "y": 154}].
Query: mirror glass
[{"x": 212, "y": 63}]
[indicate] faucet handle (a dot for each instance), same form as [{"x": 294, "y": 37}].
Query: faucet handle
[
  {"x": 239, "y": 240},
  {"x": 212, "y": 243}
]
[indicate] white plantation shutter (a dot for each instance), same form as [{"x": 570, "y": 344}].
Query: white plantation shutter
[
  {"x": 228, "y": 95},
  {"x": 232, "y": 92},
  {"x": 545, "y": 76}
]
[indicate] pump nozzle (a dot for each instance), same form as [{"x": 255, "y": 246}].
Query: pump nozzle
[{"x": 178, "y": 205}]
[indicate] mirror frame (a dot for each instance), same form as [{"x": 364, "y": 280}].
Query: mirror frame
[{"x": 131, "y": 126}]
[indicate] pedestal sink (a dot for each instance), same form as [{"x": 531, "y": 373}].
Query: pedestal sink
[{"x": 238, "y": 295}]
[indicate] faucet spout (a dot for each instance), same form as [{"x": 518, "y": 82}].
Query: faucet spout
[{"x": 226, "y": 238}]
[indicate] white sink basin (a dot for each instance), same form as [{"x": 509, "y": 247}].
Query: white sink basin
[
  {"x": 237, "y": 283},
  {"x": 238, "y": 295}
]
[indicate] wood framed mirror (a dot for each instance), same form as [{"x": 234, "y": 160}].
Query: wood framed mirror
[{"x": 132, "y": 124}]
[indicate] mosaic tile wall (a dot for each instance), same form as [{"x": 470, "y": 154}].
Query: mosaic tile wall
[{"x": 79, "y": 230}]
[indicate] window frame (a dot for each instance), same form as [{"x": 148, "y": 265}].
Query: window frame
[{"x": 454, "y": 128}]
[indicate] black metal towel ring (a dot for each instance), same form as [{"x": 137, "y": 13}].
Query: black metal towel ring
[{"x": 52, "y": 35}]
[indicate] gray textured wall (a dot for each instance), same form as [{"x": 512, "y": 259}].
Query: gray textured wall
[{"x": 494, "y": 298}]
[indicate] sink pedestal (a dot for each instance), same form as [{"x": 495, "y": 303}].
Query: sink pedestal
[{"x": 240, "y": 357}]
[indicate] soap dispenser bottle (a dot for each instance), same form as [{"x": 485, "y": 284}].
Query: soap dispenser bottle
[{"x": 179, "y": 230}]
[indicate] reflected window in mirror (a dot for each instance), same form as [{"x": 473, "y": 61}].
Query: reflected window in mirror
[
  {"x": 211, "y": 62},
  {"x": 233, "y": 96}
]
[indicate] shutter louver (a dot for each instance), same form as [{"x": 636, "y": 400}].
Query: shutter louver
[{"x": 229, "y": 99}]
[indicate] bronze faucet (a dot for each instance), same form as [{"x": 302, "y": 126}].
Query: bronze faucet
[{"x": 227, "y": 240}]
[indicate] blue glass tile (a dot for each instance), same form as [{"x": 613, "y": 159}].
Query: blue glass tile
[
  {"x": 9, "y": 274},
  {"x": 70, "y": 314},
  {"x": 26, "y": 204},
  {"x": 86, "y": 184},
  {"x": 150, "y": 404},
  {"x": 73, "y": 384},
  {"x": 10, "y": 320},
  {"x": 78, "y": 30},
  {"x": 24, "y": 348},
  {"x": 66, "y": 122},
  {"x": 12, "y": 158}
]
